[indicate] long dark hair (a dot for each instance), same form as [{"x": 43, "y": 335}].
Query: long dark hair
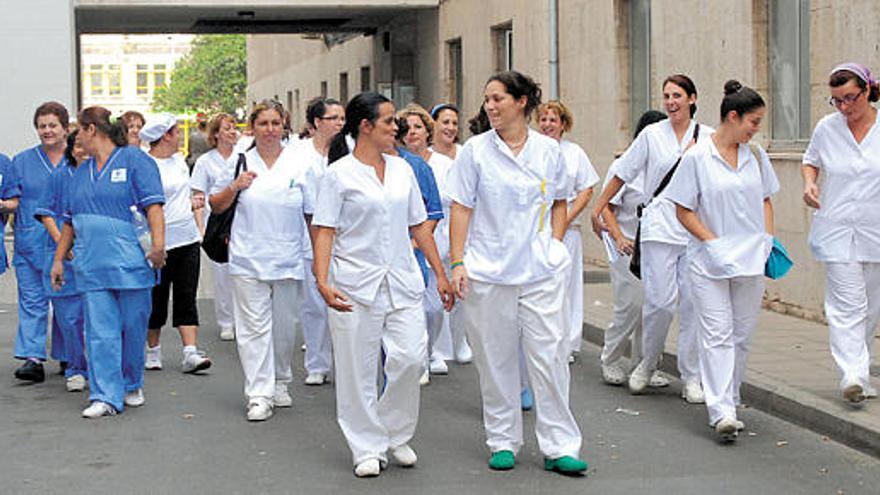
[
  {"x": 317, "y": 108},
  {"x": 364, "y": 106},
  {"x": 100, "y": 118},
  {"x": 68, "y": 151},
  {"x": 687, "y": 84},
  {"x": 518, "y": 85}
]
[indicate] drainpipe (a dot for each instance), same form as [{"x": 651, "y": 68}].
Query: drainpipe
[{"x": 554, "y": 49}]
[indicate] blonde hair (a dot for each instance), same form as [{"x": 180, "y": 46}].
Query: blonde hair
[
  {"x": 214, "y": 126},
  {"x": 420, "y": 112},
  {"x": 557, "y": 106}
]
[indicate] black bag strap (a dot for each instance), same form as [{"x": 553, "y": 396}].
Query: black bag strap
[
  {"x": 240, "y": 166},
  {"x": 668, "y": 176}
]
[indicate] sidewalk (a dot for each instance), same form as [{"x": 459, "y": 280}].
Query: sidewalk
[{"x": 790, "y": 370}]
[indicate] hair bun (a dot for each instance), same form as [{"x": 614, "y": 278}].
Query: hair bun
[{"x": 732, "y": 86}]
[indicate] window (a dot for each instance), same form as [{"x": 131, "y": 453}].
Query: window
[
  {"x": 343, "y": 87},
  {"x": 96, "y": 79},
  {"x": 143, "y": 79},
  {"x": 323, "y": 89},
  {"x": 160, "y": 76},
  {"x": 365, "y": 78},
  {"x": 790, "y": 69},
  {"x": 114, "y": 80},
  {"x": 640, "y": 58},
  {"x": 453, "y": 48},
  {"x": 502, "y": 38}
]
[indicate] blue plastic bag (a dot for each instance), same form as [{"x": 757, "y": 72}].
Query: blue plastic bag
[{"x": 778, "y": 263}]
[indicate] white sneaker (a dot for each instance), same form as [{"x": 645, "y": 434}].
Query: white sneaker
[
  {"x": 316, "y": 379},
  {"x": 613, "y": 374},
  {"x": 303, "y": 348},
  {"x": 658, "y": 380},
  {"x": 404, "y": 455},
  {"x": 438, "y": 367},
  {"x": 726, "y": 429},
  {"x": 76, "y": 383},
  {"x": 463, "y": 354},
  {"x": 194, "y": 362},
  {"x": 259, "y": 410},
  {"x": 638, "y": 379},
  {"x": 135, "y": 398},
  {"x": 368, "y": 469},
  {"x": 282, "y": 396},
  {"x": 693, "y": 392},
  {"x": 425, "y": 379},
  {"x": 227, "y": 334},
  {"x": 97, "y": 409},
  {"x": 854, "y": 393},
  {"x": 153, "y": 358},
  {"x": 740, "y": 426}
]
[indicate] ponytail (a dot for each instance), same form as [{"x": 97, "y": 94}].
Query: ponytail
[{"x": 338, "y": 146}]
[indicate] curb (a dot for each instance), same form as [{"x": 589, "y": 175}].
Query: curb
[{"x": 787, "y": 403}]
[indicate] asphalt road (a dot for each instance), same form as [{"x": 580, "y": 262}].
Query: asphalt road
[{"x": 192, "y": 437}]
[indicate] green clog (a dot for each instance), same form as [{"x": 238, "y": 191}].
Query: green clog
[
  {"x": 502, "y": 460},
  {"x": 565, "y": 465}
]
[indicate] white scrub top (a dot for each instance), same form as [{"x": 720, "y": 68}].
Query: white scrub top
[
  {"x": 210, "y": 169},
  {"x": 458, "y": 148},
  {"x": 267, "y": 233},
  {"x": 372, "y": 221},
  {"x": 441, "y": 164},
  {"x": 730, "y": 203},
  {"x": 651, "y": 155},
  {"x": 510, "y": 238},
  {"x": 180, "y": 223},
  {"x": 847, "y": 226},
  {"x": 306, "y": 152},
  {"x": 580, "y": 171},
  {"x": 626, "y": 201}
]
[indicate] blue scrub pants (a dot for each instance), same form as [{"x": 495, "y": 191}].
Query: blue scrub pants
[
  {"x": 33, "y": 314},
  {"x": 116, "y": 331},
  {"x": 69, "y": 320}
]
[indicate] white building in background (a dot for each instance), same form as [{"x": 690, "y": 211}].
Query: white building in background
[{"x": 122, "y": 72}]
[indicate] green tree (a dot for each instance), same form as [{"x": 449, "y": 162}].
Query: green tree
[{"x": 211, "y": 78}]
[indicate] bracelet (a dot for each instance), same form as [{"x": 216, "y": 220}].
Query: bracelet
[{"x": 455, "y": 264}]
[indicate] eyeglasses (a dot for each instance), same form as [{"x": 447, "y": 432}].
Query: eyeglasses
[
  {"x": 848, "y": 99},
  {"x": 333, "y": 118}
]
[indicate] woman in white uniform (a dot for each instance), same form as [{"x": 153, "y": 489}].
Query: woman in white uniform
[
  {"x": 445, "y": 133},
  {"x": 722, "y": 195},
  {"x": 554, "y": 119},
  {"x": 265, "y": 258},
  {"x": 326, "y": 116},
  {"x": 511, "y": 280},
  {"x": 209, "y": 170},
  {"x": 664, "y": 263},
  {"x": 621, "y": 222},
  {"x": 845, "y": 234},
  {"x": 182, "y": 241},
  {"x": 368, "y": 205}
]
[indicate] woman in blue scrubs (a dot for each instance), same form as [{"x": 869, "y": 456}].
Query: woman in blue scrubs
[
  {"x": 32, "y": 169},
  {"x": 113, "y": 273},
  {"x": 9, "y": 194},
  {"x": 66, "y": 302}
]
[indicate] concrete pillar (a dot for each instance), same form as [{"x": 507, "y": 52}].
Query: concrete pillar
[{"x": 38, "y": 63}]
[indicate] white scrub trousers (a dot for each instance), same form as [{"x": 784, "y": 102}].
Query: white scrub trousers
[
  {"x": 316, "y": 335},
  {"x": 852, "y": 306},
  {"x": 500, "y": 318},
  {"x": 371, "y": 424},
  {"x": 727, "y": 312},
  {"x": 266, "y": 317},
  {"x": 666, "y": 280},
  {"x": 574, "y": 289},
  {"x": 223, "y": 299},
  {"x": 626, "y": 320}
]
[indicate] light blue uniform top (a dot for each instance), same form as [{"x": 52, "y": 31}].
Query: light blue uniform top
[
  {"x": 50, "y": 206},
  {"x": 8, "y": 189},
  {"x": 106, "y": 253},
  {"x": 31, "y": 169}
]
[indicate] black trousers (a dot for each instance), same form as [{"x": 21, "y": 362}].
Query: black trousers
[{"x": 182, "y": 271}]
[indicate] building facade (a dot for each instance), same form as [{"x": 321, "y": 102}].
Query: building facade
[{"x": 606, "y": 59}]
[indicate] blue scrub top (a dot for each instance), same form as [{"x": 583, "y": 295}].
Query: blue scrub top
[
  {"x": 430, "y": 195},
  {"x": 50, "y": 206},
  {"x": 31, "y": 169},
  {"x": 106, "y": 254},
  {"x": 8, "y": 190}
]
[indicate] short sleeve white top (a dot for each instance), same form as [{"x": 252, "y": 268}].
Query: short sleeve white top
[
  {"x": 180, "y": 223},
  {"x": 210, "y": 169},
  {"x": 266, "y": 241},
  {"x": 730, "y": 203},
  {"x": 580, "y": 171},
  {"x": 372, "y": 221},
  {"x": 441, "y": 164},
  {"x": 626, "y": 201},
  {"x": 510, "y": 239},
  {"x": 847, "y": 226},
  {"x": 651, "y": 155}
]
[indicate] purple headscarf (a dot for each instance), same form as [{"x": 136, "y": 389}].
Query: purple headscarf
[{"x": 859, "y": 70}]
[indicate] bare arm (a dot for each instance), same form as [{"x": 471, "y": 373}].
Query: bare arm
[
  {"x": 768, "y": 217},
  {"x": 459, "y": 221},
  {"x": 558, "y": 218},
  {"x": 692, "y": 223},
  {"x": 624, "y": 244},
  {"x": 65, "y": 242},
  {"x": 52, "y": 227},
  {"x": 322, "y": 244},
  {"x": 222, "y": 200},
  {"x": 609, "y": 192},
  {"x": 8, "y": 205},
  {"x": 577, "y": 206},
  {"x": 424, "y": 237},
  {"x": 156, "y": 220},
  {"x": 811, "y": 188}
]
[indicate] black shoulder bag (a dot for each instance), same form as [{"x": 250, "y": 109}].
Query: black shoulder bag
[
  {"x": 635, "y": 261},
  {"x": 216, "y": 240}
]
